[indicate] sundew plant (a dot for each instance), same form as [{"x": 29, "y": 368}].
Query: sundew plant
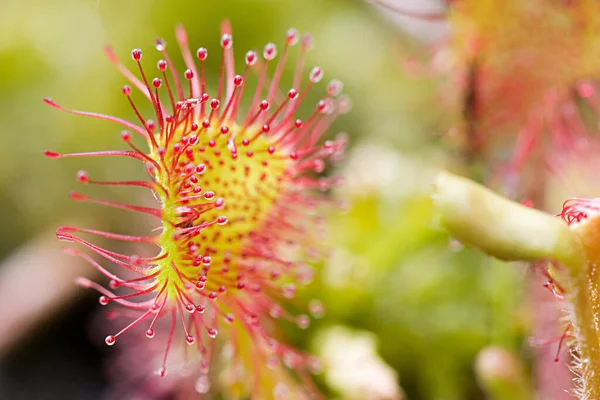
[{"x": 237, "y": 177}]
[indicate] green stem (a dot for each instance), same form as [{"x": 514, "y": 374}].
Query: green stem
[{"x": 509, "y": 231}]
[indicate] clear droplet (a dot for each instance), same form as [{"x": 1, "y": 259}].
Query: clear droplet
[
  {"x": 455, "y": 245},
  {"x": 202, "y": 384},
  {"x": 316, "y": 309},
  {"x": 289, "y": 291},
  {"x": 281, "y": 391},
  {"x": 303, "y": 321},
  {"x": 212, "y": 332}
]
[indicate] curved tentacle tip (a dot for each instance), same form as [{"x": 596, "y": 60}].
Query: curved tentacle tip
[
  {"x": 71, "y": 251},
  {"x": 181, "y": 33},
  {"x": 65, "y": 228},
  {"x": 50, "y": 102},
  {"x": 110, "y": 54},
  {"x": 83, "y": 282},
  {"x": 78, "y": 196},
  {"x": 225, "y": 27},
  {"x": 51, "y": 154}
]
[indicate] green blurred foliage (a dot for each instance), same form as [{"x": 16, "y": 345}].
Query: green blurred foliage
[
  {"x": 432, "y": 304},
  {"x": 393, "y": 272}
]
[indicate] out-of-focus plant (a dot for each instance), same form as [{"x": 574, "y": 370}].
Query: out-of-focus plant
[
  {"x": 514, "y": 93},
  {"x": 520, "y": 111},
  {"x": 387, "y": 252},
  {"x": 502, "y": 374},
  {"x": 354, "y": 368},
  {"x": 239, "y": 191}
]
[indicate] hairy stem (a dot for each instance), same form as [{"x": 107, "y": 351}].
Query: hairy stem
[
  {"x": 586, "y": 305},
  {"x": 509, "y": 231}
]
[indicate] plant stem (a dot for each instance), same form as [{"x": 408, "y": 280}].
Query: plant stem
[{"x": 502, "y": 228}]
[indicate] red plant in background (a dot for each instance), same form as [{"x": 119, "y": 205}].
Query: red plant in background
[
  {"x": 239, "y": 197},
  {"x": 517, "y": 95},
  {"x": 523, "y": 79}
]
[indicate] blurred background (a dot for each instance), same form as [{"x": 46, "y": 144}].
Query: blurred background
[{"x": 408, "y": 310}]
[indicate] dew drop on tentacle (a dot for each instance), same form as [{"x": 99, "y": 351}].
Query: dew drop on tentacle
[
  {"x": 202, "y": 385},
  {"x": 289, "y": 291},
  {"x": 316, "y": 309},
  {"x": 281, "y": 391},
  {"x": 212, "y": 332},
  {"x": 303, "y": 321},
  {"x": 110, "y": 340}
]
